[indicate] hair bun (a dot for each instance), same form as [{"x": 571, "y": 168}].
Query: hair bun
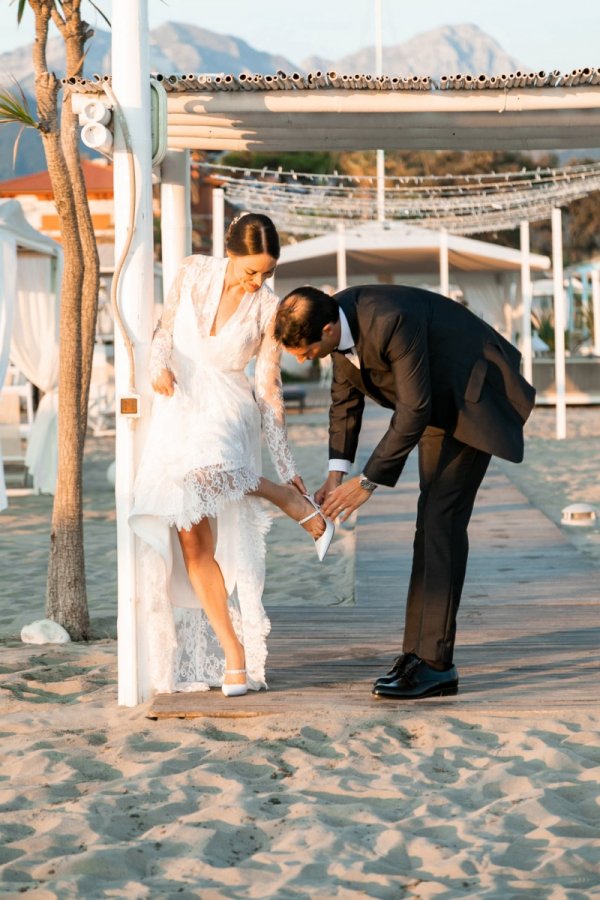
[{"x": 251, "y": 233}]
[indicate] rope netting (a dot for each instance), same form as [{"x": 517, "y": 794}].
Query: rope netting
[{"x": 311, "y": 203}]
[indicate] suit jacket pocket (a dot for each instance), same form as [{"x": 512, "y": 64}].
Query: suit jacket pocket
[{"x": 475, "y": 382}]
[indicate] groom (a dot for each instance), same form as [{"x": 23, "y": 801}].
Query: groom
[{"x": 454, "y": 387}]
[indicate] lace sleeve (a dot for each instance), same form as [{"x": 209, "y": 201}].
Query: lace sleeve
[
  {"x": 269, "y": 396},
  {"x": 162, "y": 340}
]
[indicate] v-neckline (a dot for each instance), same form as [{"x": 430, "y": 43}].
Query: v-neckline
[{"x": 233, "y": 314}]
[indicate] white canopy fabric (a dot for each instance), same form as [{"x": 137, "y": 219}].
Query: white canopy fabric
[
  {"x": 487, "y": 274},
  {"x": 34, "y": 345},
  {"x": 396, "y": 248}
]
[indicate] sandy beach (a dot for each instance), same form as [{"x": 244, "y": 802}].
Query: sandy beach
[{"x": 420, "y": 802}]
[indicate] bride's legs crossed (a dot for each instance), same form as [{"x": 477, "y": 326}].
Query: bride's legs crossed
[
  {"x": 289, "y": 499},
  {"x": 206, "y": 578}
]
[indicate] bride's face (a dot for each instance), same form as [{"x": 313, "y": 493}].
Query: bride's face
[{"x": 252, "y": 271}]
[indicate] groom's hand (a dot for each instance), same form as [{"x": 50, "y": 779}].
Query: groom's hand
[
  {"x": 334, "y": 479},
  {"x": 342, "y": 501}
]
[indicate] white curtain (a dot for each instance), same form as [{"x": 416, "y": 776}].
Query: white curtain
[
  {"x": 35, "y": 352},
  {"x": 8, "y": 277}
]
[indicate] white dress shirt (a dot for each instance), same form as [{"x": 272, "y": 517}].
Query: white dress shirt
[{"x": 346, "y": 343}]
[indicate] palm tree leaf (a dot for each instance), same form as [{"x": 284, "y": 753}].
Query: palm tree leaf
[
  {"x": 15, "y": 108},
  {"x": 99, "y": 11},
  {"x": 16, "y": 145},
  {"x": 21, "y": 10}
]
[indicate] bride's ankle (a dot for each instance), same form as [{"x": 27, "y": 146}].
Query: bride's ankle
[
  {"x": 315, "y": 524},
  {"x": 235, "y": 658},
  {"x": 234, "y": 675}
]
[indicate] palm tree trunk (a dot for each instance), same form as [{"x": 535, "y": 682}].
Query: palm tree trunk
[
  {"x": 66, "y": 600},
  {"x": 89, "y": 250},
  {"x": 76, "y": 33}
]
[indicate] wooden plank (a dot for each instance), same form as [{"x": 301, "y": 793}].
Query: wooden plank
[{"x": 528, "y": 630}]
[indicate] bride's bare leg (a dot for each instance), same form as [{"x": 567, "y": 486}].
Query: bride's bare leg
[
  {"x": 205, "y": 575},
  {"x": 290, "y": 501}
]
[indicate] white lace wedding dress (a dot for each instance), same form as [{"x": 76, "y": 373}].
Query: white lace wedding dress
[{"x": 201, "y": 457}]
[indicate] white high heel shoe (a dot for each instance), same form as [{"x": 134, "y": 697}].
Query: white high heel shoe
[
  {"x": 322, "y": 543},
  {"x": 236, "y": 689}
]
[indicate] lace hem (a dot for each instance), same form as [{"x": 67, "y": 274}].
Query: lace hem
[
  {"x": 158, "y": 612},
  {"x": 206, "y": 491}
]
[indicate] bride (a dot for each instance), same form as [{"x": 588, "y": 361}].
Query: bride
[{"x": 195, "y": 495}]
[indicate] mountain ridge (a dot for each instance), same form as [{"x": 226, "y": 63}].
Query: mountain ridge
[{"x": 179, "y": 47}]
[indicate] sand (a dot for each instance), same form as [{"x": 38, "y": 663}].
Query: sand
[{"x": 99, "y": 801}]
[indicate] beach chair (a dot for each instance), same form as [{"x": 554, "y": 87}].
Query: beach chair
[
  {"x": 22, "y": 389},
  {"x": 13, "y": 443},
  {"x": 296, "y": 395}
]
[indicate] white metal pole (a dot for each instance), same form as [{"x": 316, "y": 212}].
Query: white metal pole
[
  {"x": 381, "y": 185},
  {"x": 559, "y": 325},
  {"x": 342, "y": 282},
  {"x": 444, "y": 264},
  {"x": 175, "y": 213},
  {"x": 595, "y": 279},
  {"x": 218, "y": 222},
  {"x": 380, "y": 153},
  {"x": 131, "y": 86},
  {"x": 526, "y": 345}
]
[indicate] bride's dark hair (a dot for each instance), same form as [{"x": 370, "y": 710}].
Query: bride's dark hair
[{"x": 251, "y": 234}]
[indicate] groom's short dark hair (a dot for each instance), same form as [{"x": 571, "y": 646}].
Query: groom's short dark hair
[{"x": 302, "y": 316}]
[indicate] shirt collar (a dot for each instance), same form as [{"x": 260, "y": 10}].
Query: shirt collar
[{"x": 346, "y": 340}]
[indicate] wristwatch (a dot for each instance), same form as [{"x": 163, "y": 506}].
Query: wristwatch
[{"x": 365, "y": 484}]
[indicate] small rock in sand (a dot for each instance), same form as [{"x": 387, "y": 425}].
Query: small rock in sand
[{"x": 44, "y": 631}]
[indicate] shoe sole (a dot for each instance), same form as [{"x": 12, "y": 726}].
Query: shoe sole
[{"x": 446, "y": 691}]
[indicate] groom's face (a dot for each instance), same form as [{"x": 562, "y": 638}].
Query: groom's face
[{"x": 319, "y": 349}]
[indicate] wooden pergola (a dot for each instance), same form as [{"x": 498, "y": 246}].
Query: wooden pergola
[{"x": 518, "y": 111}]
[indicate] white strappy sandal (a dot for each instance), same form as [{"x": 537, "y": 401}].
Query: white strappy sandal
[
  {"x": 322, "y": 543},
  {"x": 235, "y": 689}
]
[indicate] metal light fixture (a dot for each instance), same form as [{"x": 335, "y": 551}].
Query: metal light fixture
[{"x": 580, "y": 514}]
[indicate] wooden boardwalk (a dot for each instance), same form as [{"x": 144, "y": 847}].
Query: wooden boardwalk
[{"x": 528, "y": 629}]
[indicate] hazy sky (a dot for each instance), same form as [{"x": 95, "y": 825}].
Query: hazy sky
[{"x": 543, "y": 34}]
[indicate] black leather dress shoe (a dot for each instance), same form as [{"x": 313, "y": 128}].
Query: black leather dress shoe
[
  {"x": 398, "y": 665},
  {"x": 417, "y": 680}
]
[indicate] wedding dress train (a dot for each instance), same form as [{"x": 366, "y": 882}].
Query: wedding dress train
[{"x": 200, "y": 459}]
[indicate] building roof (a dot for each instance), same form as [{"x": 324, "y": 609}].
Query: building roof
[{"x": 98, "y": 179}]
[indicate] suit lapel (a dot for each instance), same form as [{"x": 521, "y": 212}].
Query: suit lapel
[
  {"x": 349, "y": 370},
  {"x": 348, "y": 306},
  {"x": 363, "y": 378}
]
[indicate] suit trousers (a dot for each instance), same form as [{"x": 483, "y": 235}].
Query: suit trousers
[{"x": 450, "y": 474}]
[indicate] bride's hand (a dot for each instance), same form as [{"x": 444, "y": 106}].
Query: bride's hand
[
  {"x": 297, "y": 482},
  {"x": 334, "y": 479},
  {"x": 165, "y": 383}
]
